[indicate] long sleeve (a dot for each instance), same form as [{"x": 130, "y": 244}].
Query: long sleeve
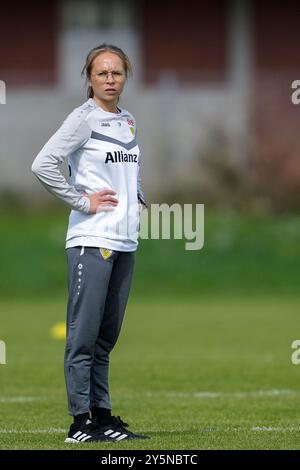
[
  {"x": 73, "y": 133},
  {"x": 140, "y": 193}
]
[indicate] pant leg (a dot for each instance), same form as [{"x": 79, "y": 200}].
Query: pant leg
[
  {"x": 88, "y": 280},
  {"x": 115, "y": 306}
]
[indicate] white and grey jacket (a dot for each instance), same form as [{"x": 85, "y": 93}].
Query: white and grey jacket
[{"x": 101, "y": 151}]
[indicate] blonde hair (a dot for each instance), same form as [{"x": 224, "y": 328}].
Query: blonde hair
[{"x": 87, "y": 69}]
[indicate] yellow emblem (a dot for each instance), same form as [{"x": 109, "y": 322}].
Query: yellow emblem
[
  {"x": 105, "y": 253},
  {"x": 132, "y": 130}
]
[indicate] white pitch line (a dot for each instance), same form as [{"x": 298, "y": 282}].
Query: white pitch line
[
  {"x": 178, "y": 430},
  {"x": 20, "y": 399},
  {"x": 202, "y": 394},
  {"x": 174, "y": 395},
  {"x": 32, "y": 431},
  {"x": 275, "y": 429},
  {"x": 207, "y": 394}
]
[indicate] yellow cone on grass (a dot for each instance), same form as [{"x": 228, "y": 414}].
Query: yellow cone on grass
[{"x": 58, "y": 331}]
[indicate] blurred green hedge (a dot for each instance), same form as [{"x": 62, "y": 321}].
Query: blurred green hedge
[{"x": 241, "y": 255}]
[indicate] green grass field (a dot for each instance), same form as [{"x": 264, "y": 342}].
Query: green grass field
[
  {"x": 204, "y": 356},
  {"x": 192, "y": 374}
]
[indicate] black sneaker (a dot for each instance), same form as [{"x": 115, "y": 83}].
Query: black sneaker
[
  {"x": 115, "y": 430},
  {"x": 86, "y": 432}
]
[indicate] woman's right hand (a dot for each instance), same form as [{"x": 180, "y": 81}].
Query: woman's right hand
[{"x": 102, "y": 200}]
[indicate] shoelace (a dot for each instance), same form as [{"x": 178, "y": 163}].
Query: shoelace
[{"x": 117, "y": 420}]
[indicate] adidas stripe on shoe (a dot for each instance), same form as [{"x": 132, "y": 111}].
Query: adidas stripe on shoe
[
  {"x": 115, "y": 430},
  {"x": 87, "y": 432}
]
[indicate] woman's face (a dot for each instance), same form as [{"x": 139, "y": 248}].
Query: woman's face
[{"x": 107, "y": 76}]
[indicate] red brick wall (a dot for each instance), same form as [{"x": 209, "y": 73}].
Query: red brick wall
[
  {"x": 276, "y": 34},
  {"x": 188, "y": 37},
  {"x": 275, "y": 154},
  {"x": 28, "y": 38}
]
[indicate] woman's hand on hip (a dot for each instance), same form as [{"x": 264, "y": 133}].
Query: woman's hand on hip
[{"x": 102, "y": 200}]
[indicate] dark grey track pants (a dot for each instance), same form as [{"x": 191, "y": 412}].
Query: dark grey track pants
[{"x": 98, "y": 293}]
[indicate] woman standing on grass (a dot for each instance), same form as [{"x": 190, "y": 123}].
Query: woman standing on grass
[{"x": 98, "y": 141}]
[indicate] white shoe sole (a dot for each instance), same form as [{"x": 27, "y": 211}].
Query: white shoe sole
[{"x": 70, "y": 440}]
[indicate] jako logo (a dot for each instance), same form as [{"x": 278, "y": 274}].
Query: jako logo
[
  {"x": 2, "y": 352},
  {"x": 2, "y": 92}
]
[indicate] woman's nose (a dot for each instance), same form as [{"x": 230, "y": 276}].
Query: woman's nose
[{"x": 110, "y": 77}]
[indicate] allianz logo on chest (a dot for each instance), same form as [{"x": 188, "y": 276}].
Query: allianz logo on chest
[{"x": 121, "y": 157}]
